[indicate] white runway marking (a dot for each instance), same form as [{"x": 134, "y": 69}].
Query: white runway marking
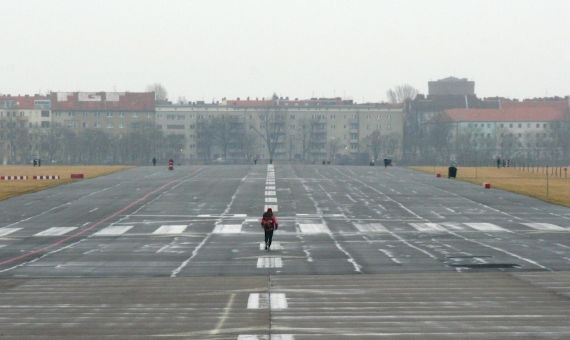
[
  {"x": 261, "y": 301},
  {"x": 270, "y": 199},
  {"x": 370, "y": 228},
  {"x": 8, "y": 231},
  {"x": 55, "y": 231},
  {"x": 311, "y": 228},
  {"x": 240, "y": 215},
  {"x": 545, "y": 226},
  {"x": 270, "y": 193},
  {"x": 170, "y": 229},
  {"x": 274, "y": 246},
  {"x": 227, "y": 229},
  {"x": 94, "y": 209},
  {"x": 269, "y": 262},
  {"x": 278, "y": 301},
  {"x": 428, "y": 227},
  {"x": 253, "y": 301},
  {"x": 266, "y": 337},
  {"x": 273, "y": 207},
  {"x": 113, "y": 230},
  {"x": 390, "y": 256},
  {"x": 485, "y": 227},
  {"x": 270, "y": 188},
  {"x": 204, "y": 215}
]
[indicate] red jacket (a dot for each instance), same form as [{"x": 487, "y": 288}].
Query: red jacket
[{"x": 269, "y": 225}]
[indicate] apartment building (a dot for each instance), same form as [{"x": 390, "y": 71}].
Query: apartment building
[
  {"x": 526, "y": 129},
  {"x": 313, "y": 129},
  {"x": 112, "y": 112}
]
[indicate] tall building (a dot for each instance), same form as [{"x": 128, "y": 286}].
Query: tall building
[
  {"x": 315, "y": 129},
  {"x": 451, "y": 86}
]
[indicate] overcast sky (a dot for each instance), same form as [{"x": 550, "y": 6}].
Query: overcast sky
[{"x": 355, "y": 49}]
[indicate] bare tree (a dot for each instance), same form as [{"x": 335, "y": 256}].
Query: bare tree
[
  {"x": 272, "y": 129},
  {"x": 160, "y": 93},
  {"x": 401, "y": 93}
]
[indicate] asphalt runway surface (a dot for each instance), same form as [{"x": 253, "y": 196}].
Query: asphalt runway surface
[{"x": 360, "y": 253}]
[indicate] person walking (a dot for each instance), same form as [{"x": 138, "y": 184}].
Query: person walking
[{"x": 269, "y": 224}]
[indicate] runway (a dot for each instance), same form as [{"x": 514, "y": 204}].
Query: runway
[{"x": 361, "y": 252}]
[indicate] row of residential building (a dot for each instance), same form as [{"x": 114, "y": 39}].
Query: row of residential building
[{"x": 451, "y": 118}]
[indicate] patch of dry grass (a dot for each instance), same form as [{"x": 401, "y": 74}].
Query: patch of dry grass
[
  {"x": 531, "y": 183},
  {"x": 13, "y": 188}
]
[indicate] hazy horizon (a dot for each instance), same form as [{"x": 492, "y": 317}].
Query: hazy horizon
[{"x": 205, "y": 50}]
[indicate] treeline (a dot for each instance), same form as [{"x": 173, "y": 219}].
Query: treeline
[{"x": 61, "y": 145}]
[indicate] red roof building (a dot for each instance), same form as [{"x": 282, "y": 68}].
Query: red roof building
[{"x": 103, "y": 101}]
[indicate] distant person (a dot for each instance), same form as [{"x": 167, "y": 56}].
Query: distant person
[
  {"x": 153, "y": 161},
  {"x": 35, "y": 162},
  {"x": 498, "y": 162},
  {"x": 269, "y": 224},
  {"x": 39, "y": 162}
]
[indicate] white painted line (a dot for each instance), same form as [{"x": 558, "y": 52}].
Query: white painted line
[
  {"x": 94, "y": 209},
  {"x": 266, "y": 337},
  {"x": 428, "y": 227},
  {"x": 485, "y": 227},
  {"x": 390, "y": 255},
  {"x": 113, "y": 230},
  {"x": 274, "y": 246},
  {"x": 270, "y": 188},
  {"x": 454, "y": 226},
  {"x": 270, "y": 199},
  {"x": 240, "y": 215},
  {"x": 270, "y": 193},
  {"x": 273, "y": 207},
  {"x": 253, "y": 301},
  {"x": 55, "y": 231},
  {"x": 269, "y": 262},
  {"x": 8, "y": 231},
  {"x": 170, "y": 229},
  {"x": 545, "y": 226},
  {"x": 311, "y": 228},
  {"x": 227, "y": 229},
  {"x": 204, "y": 215},
  {"x": 370, "y": 227},
  {"x": 278, "y": 301}
]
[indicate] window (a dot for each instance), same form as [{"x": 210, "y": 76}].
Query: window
[
  {"x": 45, "y": 124},
  {"x": 520, "y": 125},
  {"x": 45, "y": 113},
  {"x": 510, "y": 125},
  {"x": 109, "y": 114}
]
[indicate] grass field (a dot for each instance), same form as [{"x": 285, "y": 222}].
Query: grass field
[
  {"x": 13, "y": 188},
  {"x": 531, "y": 183}
]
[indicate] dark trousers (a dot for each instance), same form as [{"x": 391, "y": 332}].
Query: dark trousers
[{"x": 268, "y": 237}]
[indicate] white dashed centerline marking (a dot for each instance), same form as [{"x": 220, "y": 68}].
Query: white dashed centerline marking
[
  {"x": 269, "y": 262},
  {"x": 270, "y": 188},
  {"x": 270, "y": 199},
  {"x": 261, "y": 301},
  {"x": 113, "y": 230},
  {"x": 270, "y": 193},
  {"x": 273, "y": 207},
  {"x": 274, "y": 246},
  {"x": 227, "y": 229},
  {"x": 266, "y": 337},
  {"x": 56, "y": 231},
  {"x": 170, "y": 229}
]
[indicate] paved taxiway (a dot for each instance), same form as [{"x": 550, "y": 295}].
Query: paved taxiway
[{"x": 361, "y": 252}]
